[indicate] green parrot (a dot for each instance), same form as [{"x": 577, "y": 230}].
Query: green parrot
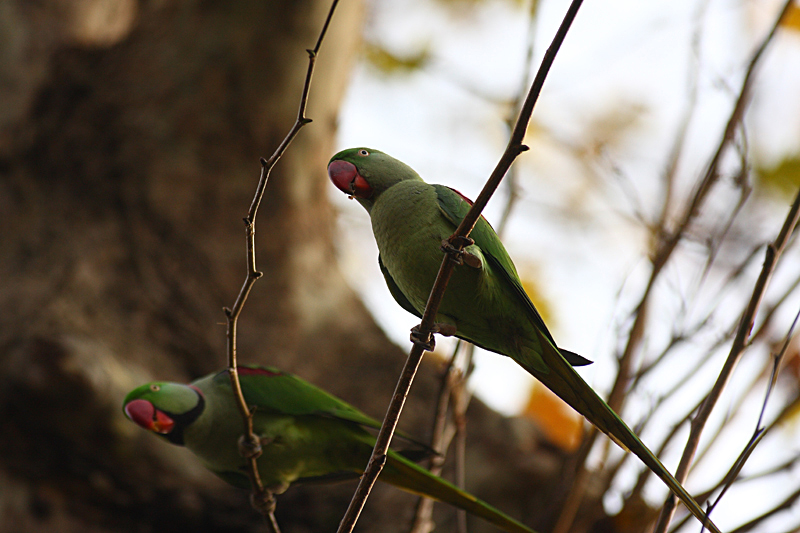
[
  {"x": 484, "y": 303},
  {"x": 306, "y": 435}
]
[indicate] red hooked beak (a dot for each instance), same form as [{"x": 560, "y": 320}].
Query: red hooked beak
[
  {"x": 347, "y": 179},
  {"x": 147, "y": 416}
]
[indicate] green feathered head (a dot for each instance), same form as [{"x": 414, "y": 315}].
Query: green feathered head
[
  {"x": 364, "y": 173},
  {"x": 164, "y": 408}
]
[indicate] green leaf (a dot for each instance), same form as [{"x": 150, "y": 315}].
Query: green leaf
[
  {"x": 389, "y": 63},
  {"x": 784, "y": 178}
]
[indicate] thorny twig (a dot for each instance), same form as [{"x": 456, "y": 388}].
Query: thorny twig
[
  {"x": 250, "y": 444},
  {"x": 457, "y": 240}
]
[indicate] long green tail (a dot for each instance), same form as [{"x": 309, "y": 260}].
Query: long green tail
[
  {"x": 570, "y": 387},
  {"x": 406, "y": 475}
]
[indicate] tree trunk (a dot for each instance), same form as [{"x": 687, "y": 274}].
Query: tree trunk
[{"x": 130, "y": 134}]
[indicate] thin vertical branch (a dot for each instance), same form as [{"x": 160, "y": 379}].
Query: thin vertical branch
[
  {"x": 460, "y": 401},
  {"x": 250, "y": 444},
  {"x": 512, "y": 181},
  {"x": 439, "y": 441},
  {"x": 423, "y": 337},
  {"x": 679, "y": 145}
]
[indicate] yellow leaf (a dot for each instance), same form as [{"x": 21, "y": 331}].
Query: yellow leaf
[
  {"x": 784, "y": 178},
  {"x": 389, "y": 63},
  {"x": 531, "y": 287},
  {"x": 791, "y": 20},
  {"x": 561, "y": 425}
]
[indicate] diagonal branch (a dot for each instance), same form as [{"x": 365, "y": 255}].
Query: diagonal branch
[
  {"x": 670, "y": 240},
  {"x": 760, "y": 431},
  {"x": 453, "y": 400},
  {"x": 250, "y": 444},
  {"x": 457, "y": 240},
  {"x": 773, "y": 253},
  {"x": 453, "y": 379}
]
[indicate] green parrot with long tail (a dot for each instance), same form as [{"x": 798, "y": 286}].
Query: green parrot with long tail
[
  {"x": 306, "y": 435},
  {"x": 484, "y": 303}
]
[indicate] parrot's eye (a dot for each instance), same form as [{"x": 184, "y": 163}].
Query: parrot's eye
[
  {"x": 155, "y": 388},
  {"x": 363, "y": 153}
]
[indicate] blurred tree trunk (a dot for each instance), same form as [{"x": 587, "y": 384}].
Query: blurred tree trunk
[{"x": 130, "y": 133}]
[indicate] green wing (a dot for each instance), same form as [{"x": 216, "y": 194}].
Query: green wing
[
  {"x": 273, "y": 390},
  {"x": 454, "y": 206},
  {"x": 398, "y": 295}
]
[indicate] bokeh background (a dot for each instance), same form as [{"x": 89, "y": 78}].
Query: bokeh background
[{"x": 130, "y": 132}]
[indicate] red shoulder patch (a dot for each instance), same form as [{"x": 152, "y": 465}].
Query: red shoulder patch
[
  {"x": 461, "y": 195},
  {"x": 470, "y": 202},
  {"x": 258, "y": 371}
]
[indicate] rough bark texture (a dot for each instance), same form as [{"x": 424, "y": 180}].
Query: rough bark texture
[{"x": 130, "y": 133}]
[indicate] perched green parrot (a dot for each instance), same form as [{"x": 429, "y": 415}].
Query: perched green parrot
[
  {"x": 306, "y": 435},
  {"x": 484, "y": 303}
]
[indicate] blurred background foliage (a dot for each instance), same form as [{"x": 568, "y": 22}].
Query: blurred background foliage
[{"x": 130, "y": 133}]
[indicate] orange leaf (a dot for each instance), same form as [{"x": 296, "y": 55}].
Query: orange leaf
[
  {"x": 562, "y": 426},
  {"x": 532, "y": 288},
  {"x": 792, "y": 19}
]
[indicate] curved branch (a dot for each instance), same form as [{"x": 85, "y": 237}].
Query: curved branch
[{"x": 250, "y": 444}]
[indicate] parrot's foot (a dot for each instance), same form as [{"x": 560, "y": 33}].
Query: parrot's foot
[
  {"x": 263, "y": 502},
  {"x": 428, "y": 344},
  {"x": 249, "y": 447},
  {"x": 460, "y": 256},
  {"x": 442, "y": 328}
]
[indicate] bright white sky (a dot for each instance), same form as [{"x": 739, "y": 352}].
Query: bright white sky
[{"x": 572, "y": 233}]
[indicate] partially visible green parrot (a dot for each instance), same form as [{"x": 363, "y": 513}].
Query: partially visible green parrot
[
  {"x": 484, "y": 303},
  {"x": 306, "y": 435}
]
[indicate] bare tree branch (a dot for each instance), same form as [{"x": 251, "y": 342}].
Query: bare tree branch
[
  {"x": 440, "y": 439},
  {"x": 453, "y": 380},
  {"x": 679, "y": 144},
  {"x": 250, "y": 443},
  {"x": 773, "y": 253}
]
